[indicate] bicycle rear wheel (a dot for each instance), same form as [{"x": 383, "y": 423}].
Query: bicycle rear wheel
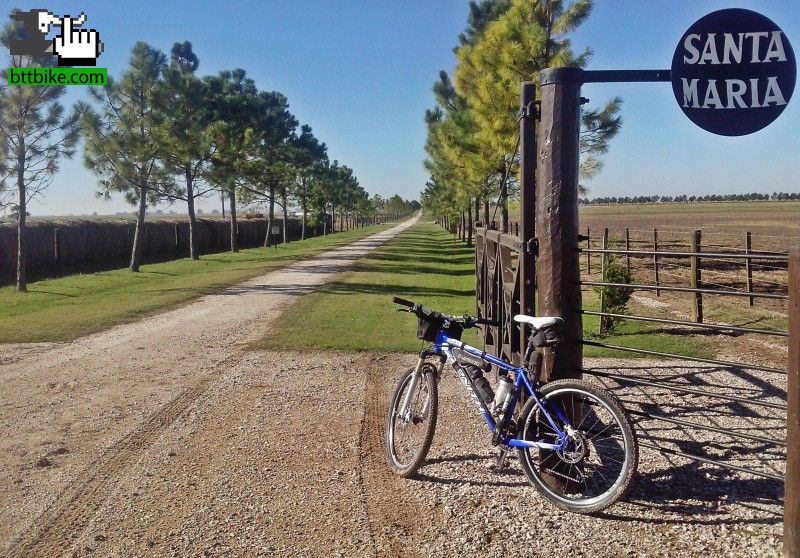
[
  {"x": 598, "y": 465},
  {"x": 409, "y": 437}
]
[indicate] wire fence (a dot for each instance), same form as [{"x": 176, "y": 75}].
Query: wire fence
[{"x": 725, "y": 412}]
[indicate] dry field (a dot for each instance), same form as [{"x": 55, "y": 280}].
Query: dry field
[{"x": 774, "y": 225}]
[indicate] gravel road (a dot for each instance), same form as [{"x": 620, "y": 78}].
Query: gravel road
[{"x": 167, "y": 438}]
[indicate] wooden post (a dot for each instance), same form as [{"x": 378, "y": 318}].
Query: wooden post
[
  {"x": 696, "y": 279},
  {"x": 655, "y": 259},
  {"x": 56, "y": 247},
  {"x": 603, "y": 261},
  {"x": 588, "y": 254},
  {"x": 627, "y": 248},
  {"x": 748, "y": 264},
  {"x": 558, "y": 267},
  {"x": 791, "y": 485},
  {"x": 527, "y": 217}
]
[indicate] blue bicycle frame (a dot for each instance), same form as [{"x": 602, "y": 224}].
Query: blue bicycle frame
[{"x": 444, "y": 345}]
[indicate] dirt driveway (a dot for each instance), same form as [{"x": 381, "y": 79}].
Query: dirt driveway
[{"x": 138, "y": 440}]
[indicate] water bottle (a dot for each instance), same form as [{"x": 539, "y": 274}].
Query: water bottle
[
  {"x": 482, "y": 386},
  {"x": 502, "y": 396}
]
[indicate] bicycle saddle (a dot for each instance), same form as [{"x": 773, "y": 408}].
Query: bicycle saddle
[{"x": 540, "y": 322}]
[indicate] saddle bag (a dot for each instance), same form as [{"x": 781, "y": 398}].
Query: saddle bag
[{"x": 548, "y": 337}]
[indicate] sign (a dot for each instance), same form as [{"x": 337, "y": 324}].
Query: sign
[
  {"x": 73, "y": 47},
  {"x": 733, "y": 72}
]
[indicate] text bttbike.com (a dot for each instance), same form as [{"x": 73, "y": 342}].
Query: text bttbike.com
[{"x": 57, "y": 76}]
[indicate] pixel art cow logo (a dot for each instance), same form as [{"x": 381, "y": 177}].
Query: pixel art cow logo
[{"x": 73, "y": 47}]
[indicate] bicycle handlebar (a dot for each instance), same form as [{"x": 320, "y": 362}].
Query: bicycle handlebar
[
  {"x": 466, "y": 321},
  {"x": 403, "y": 302}
]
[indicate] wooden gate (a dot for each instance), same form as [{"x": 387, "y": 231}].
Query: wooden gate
[{"x": 497, "y": 289}]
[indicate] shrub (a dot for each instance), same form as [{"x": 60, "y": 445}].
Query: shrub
[{"x": 615, "y": 299}]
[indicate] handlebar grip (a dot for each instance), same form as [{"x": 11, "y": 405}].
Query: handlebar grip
[
  {"x": 488, "y": 322},
  {"x": 403, "y": 302}
]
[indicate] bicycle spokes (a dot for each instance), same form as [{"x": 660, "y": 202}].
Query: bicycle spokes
[{"x": 592, "y": 459}]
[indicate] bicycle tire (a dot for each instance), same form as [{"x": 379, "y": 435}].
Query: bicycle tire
[
  {"x": 568, "y": 464},
  {"x": 402, "y": 464}
]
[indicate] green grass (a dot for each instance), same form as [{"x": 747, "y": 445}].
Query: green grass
[
  {"x": 355, "y": 312},
  {"x": 638, "y": 335},
  {"x": 69, "y": 307},
  {"x": 422, "y": 264}
]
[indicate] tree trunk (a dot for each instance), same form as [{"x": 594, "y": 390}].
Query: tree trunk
[
  {"x": 139, "y": 233},
  {"x": 304, "y": 205},
  {"x": 486, "y": 212},
  {"x": 270, "y": 216},
  {"x": 478, "y": 210},
  {"x": 333, "y": 218},
  {"x": 222, "y": 199},
  {"x": 284, "y": 196},
  {"x": 469, "y": 225},
  {"x": 234, "y": 225},
  {"x": 504, "y": 213},
  {"x": 192, "y": 218},
  {"x": 22, "y": 233}
]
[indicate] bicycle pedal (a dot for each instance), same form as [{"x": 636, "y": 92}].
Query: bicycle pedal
[{"x": 500, "y": 464}]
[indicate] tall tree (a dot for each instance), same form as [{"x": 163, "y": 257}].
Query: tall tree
[
  {"x": 307, "y": 152},
  {"x": 233, "y": 102},
  {"x": 186, "y": 130},
  {"x": 268, "y": 168},
  {"x": 122, "y": 145},
  {"x": 473, "y": 130},
  {"x": 35, "y": 133},
  {"x": 304, "y": 188}
]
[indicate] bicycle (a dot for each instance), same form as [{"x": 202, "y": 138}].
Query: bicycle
[{"x": 574, "y": 441}]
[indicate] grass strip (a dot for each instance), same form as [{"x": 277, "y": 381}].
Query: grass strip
[
  {"x": 65, "y": 308},
  {"x": 422, "y": 264}
]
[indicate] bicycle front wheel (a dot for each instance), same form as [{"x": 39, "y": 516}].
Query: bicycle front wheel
[
  {"x": 409, "y": 431},
  {"x": 598, "y": 464}
]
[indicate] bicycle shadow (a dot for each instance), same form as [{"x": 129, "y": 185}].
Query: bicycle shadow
[
  {"x": 461, "y": 479},
  {"x": 676, "y": 491},
  {"x": 691, "y": 494}
]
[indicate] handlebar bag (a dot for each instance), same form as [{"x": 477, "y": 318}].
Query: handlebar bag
[{"x": 428, "y": 327}]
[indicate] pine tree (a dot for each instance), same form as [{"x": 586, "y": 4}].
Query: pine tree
[
  {"x": 35, "y": 133},
  {"x": 122, "y": 145},
  {"x": 186, "y": 131}
]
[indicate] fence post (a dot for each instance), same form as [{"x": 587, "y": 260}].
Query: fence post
[
  {"x": 527, "y": 214},
  {"x": 627, "y": 248},
  {"x": 56, "y": 247},
  {"x": 655, "y": 259},
  {"x": 748, "y": 245},
  {"x": 558, "y": 267},
  {"x": 791, "y": 511},
  {"x": 696, "y": 279},
  {"x": 588, "y": 247},
  {"x": 603, "y": 260}
]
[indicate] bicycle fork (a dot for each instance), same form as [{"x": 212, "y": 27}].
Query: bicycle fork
[{"x": 404, "y": 412}]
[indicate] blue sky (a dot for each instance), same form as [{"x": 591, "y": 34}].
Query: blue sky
[{"x": 360, "y": 73}]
